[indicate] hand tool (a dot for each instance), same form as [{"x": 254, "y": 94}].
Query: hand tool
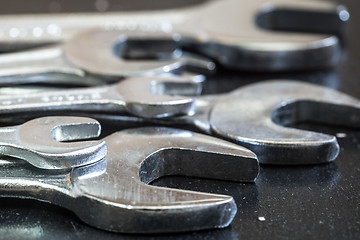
[
  {"x": 113, "y": 194},
  {"x": 97, "y": 62},
  {"x": 41, "y": 142},
  {"x": 239, "y": 34},
  {"x": 142, "y": 96},
  {"x": 252, "y": 117}
]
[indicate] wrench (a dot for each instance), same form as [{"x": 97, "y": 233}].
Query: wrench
[
  {"x": 40, "y": 142},
  {"x": 249, "y": 116},
  {"x": 143, "y": 96},
  {"x": 113, "y": 194},
  {"x": 230, "y": 31},
  {"x": 252, "y": 117},
  {"x": 98, "y": 62}
]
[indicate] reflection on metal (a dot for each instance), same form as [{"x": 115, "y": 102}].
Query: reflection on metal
[{"x": 113, "y": 193}]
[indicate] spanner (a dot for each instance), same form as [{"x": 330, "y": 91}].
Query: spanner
[
  {"x": 252, "y": 117},
  {"x": 97, "y": 57},
  {"x": 228, "y": 31},
  {"x": 40, "y": 142},
  {"x": 113, "y": 194},
  {"x": 142, "y": 96}
]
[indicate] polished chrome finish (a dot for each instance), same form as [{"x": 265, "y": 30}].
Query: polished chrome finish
[
  {"x": 261, "y": 108},
  {"x": 114, "y": 194},
  {"x": 240, "y": 34},
  {"x": 41, "y": 142}
]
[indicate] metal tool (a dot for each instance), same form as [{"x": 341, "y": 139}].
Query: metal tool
[
  {"x": 92, "y": 59},
  {"x": 113, "y": 194},
  {"x": 41, "y": 142},
  {"x": 238, "y": 34},
  {"x": 249, "y": 116},
  {"x": 143, "y": 96},
  {"x": 252, "y": 117}
]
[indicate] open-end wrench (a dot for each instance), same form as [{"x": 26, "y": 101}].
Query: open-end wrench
[
  {"x": 96, "y": 58},
  {"x": 40, "y": 142},
  {"x": 252, "y": 117},
  {"x": 229, "y": 31},
  {"x": 143, "y": 96},
  {"x": 113, "y": 194},
  {"x": 249, "y": 116}
]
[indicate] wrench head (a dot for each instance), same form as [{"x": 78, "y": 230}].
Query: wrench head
[
  {"x": 41, "y": 142},
  {"x": 268, "y": 34},
  {"x": 121, "y": 200},
  {"x": 153, "y": 97},
  {"x": 252, "y": 117},
  {"x": 113, "y": 54}
]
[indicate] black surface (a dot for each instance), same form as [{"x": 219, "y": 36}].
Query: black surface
[{"x": 313, "y": 202}]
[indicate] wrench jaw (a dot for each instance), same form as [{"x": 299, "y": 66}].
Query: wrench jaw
[
  {"x": 273, "y": 57},
  {"x": 260, "y": 108},
  {"x": 323, "y": 150},
  {"x": 40, "y": 142},
  {"x": 199, "y": 212},
  {"x": 120, "y": 199}
]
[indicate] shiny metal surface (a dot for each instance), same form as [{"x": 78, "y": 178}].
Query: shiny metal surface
[
  {"x": 41, "y": 142},
  {"x": 113, "y": 194},
  {"x": 242, "y": 40},
  {"x": 142, "y": 96},
  {"x": 303, "y": 202},
  {"x": 90, "y": 59},
  {"x": 257, "y": 117},
  {"x": 261, "y": 108}
]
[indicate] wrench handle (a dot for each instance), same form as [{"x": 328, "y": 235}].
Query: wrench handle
[{"x": 86, "y": 99}]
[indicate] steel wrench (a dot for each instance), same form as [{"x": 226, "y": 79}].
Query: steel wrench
[
  {"x": 249, "y": 116},
  {"x": 113, "y": 194},
  {"x": 93, "y": 58},
  {"x": 227, "y": 31},
  {"x": 40, "y": 142},
  {"x": 143, "y": 96},
  {"x": 252, "y": 117}
]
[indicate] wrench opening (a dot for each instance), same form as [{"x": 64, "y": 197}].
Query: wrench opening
[
  {"x": 177, "y": 161},
  {"x": 146, "y": 49},
  {"x": 67, "y": 133},
  {"x": 317, "y": 112}
]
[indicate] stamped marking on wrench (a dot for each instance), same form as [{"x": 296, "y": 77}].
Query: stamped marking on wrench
[{"x": 143, "y": 96}]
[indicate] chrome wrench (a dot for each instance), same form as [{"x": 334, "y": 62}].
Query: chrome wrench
[
  {"x": 113, "y": 194},
  {"x": 251, "y": 116},
  {"x": 227, "y": 31},
  {"x": 143, "y": 96},
  {"x": 91, "y": 59},
  {"x": 257, "y": 117}
]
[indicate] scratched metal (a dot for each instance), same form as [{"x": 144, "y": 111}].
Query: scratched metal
[{"x": 113, "y": 194}]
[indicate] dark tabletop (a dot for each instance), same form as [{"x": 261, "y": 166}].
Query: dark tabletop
[{"x": 311, "y": 202}]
